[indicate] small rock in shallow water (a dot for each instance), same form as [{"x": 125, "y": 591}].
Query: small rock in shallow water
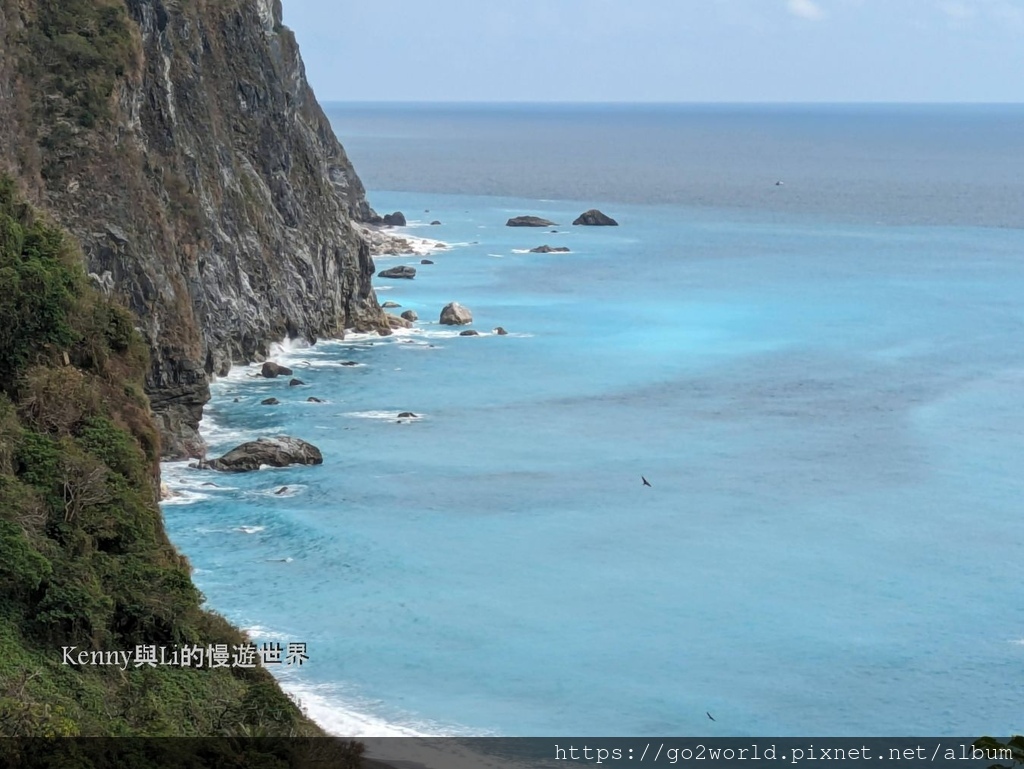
[
  {"x": 270, "y": 402},
  {"x": 500, "y": 331},
  {"x": 469, "y": 332},
  {"x": 296, "y": 383},
  {"x": 312, "y": 399},
  {"x": 407, "y": 415},
  {"x": 389, "y": 305},
  {"x": 281, "y": 490},
  {"x": 425, "y": 261},
  {"x": 410, "y": 315}
]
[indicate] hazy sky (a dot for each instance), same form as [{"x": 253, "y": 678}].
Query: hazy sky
[{"x": 662, "y": 50}]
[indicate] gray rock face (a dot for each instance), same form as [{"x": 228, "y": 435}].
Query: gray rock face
[
  {"x": 273, "y": 370},
  {"x": 454, "y": 314},
  {"x": 397, "y": 219},
  {"x": 549, "y": 250},
  {"x": 403, "y": 271},
  {"x": 210, "y": 187},
  {"x": 395, "y": 322},
  {"x": 390, "y": 305},
  {"x": 280, "y": 451},
  {"x": 529, "y": 221},
  {"x": 595, "y": 218},
  {"x": 410, "y": 315}
]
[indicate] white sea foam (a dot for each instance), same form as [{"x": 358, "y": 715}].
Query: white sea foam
[
  {"x": 497, "y": 256},
  {"x": 250, "y": 529},
  {"x": 183, "y": 497},
  {"x": 520, "y": 250},
  {"x": 1018, "y": 642},
  {"x": 390, "y": 416},
  {"x": 339, "y": 718},
  {"x": 261, "y": 633}
]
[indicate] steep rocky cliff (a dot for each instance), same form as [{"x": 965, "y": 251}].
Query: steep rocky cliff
[{"x": 181, "y": 143}]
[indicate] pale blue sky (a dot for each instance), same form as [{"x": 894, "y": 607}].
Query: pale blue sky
[{"x": 662, "y": 50}]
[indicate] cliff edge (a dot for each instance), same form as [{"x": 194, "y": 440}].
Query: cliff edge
[{"x": 181, "y": 144}]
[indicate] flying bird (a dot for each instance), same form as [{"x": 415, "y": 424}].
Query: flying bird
[
  {"x": 646, "y": 482},
  {"x": 710, "y": 716}
]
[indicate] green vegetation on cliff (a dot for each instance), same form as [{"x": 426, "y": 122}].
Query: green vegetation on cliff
[{"x": 84, "y": 559}]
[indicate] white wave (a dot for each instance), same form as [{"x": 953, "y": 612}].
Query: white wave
[
  {"x": 215, "y": 435},
  {"x": 250, "y": 529},
  {"x": 497, "y": 256},
  {"x": 391, "y": 416},
  {"x": 1018, "y": 642},
  {"x": 261, "y": 633},
  {"x": 520, "y": 250},
  {"x": 383, "y": 288},
  {"x": 342, "y": 718},
  {"x": 182, "y": 497},
  {"x": 338, "y": 718}
]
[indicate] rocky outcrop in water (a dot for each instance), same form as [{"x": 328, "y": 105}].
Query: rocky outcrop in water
[
  {"x": 454, "y": 314},
  {"x": 404, "y": 271},
  {"x": 528, "y": 221},
  {"x": 550, "y": 250},
  {"x": 183, "y": 146},
  {"x": 594, "y": 218},
  {"x": 396, "y": 322},
  {"x": 280, "y": 451},
  {"x": 272, "y": 370}
]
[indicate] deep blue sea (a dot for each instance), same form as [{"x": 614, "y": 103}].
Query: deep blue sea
[{"x": 823, "y": 381}]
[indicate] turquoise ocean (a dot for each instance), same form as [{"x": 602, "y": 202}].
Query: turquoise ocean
[{"x": 823, "y": 381}]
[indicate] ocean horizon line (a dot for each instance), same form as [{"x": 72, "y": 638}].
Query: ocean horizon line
[{"x": 653, "y": 103}]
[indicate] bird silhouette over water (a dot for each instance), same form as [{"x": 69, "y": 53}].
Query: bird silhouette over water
[
  {"x": 646, "y": 482},
  {"x": 710, "y": 716}
]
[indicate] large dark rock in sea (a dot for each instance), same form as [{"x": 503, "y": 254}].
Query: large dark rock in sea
[
  {"x": 270, "y": 402},
  {"x": 435, "y": 223},
  {"x": 454, "y": 314},
  {"x": 549, "y": 250},
  {"x": 426, "y": 261},
  {"x": 396, "y": 219},
  {"x": 404, "y": 271},
  {"x": 469, "y": 332},
  {"x": 500, "y": 331},
  {"x": 272, "y": 370},
  {"x": 279, "y": 451},
  {"x": 595, "y": 218},
  {"x": 529, "y": 221},
  {"x": 296, "y": 383},
  {"x": 410, "y": 315}
]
